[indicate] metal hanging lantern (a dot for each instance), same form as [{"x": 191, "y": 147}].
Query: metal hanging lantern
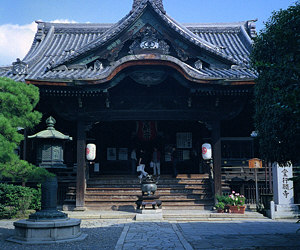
[{"x": 50, "y": 144}]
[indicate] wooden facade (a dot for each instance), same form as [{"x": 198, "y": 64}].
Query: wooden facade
[{"x": 101, "y": 82}]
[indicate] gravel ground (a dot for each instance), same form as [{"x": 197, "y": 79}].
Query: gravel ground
[{"x": 101, "y": 235}]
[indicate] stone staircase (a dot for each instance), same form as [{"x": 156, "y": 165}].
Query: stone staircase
[{"x": 120, "y": 192}]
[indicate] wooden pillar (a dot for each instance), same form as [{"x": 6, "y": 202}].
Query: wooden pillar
[
  {"x": 80, "y": 180},
  {"x": 216, "y": 147}
]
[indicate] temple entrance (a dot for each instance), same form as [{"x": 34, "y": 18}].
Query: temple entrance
[{"x": 116, "y": 140}]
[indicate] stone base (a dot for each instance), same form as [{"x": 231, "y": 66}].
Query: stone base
[
  {"x": 149, "y": 211},
  {"x": 148, "y": 201},
  {"x": 81, "y": 209},
  {"x": 148, "y": 214},
  {"x": 46, "y": 232},
  {"x": 68, "y": 207},
  {"x": 289, "y": 211}
]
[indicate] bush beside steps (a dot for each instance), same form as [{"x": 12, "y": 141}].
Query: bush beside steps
[{"x": 17, "y": 201}]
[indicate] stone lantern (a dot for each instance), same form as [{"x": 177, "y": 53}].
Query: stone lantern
[
  {"x": 48, "y": 225},
  {"x": 50, "y": 144}
]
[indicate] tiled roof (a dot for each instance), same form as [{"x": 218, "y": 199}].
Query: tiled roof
[
  {"x": 55, "y": 44},
  {"x": 101, "y": 74},
  {"x": 131, "y": 17}
]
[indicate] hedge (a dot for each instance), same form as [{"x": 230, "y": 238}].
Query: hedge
[{"x": 15, "y": 200}]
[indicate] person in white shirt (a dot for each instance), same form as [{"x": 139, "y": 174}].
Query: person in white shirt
[{"x": 141, "y": 165}]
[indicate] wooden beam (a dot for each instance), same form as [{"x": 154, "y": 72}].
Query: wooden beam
[
  {"x": 46, "y": 83},
  {"x": 80, "y": 180}
]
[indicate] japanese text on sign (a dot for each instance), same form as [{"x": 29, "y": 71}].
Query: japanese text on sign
[{"x": 285, "y": 184}]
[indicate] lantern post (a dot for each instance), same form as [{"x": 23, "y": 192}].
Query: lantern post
[
  {"x": 49, "y": 156},
  {"x": 256, "y": 163},
  {"x": 207, "y": 156},
  {"x": 48, "y": 225}
]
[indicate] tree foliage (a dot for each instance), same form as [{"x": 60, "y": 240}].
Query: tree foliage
[
  {"x": 17, "y": 101},
  {"x": 275, "y": 56}
]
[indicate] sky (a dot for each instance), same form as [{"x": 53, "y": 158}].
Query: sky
[{"x": 17, "y": 17}]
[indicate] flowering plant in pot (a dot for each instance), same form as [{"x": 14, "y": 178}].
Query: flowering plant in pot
[{"x": 237, "y": 202}]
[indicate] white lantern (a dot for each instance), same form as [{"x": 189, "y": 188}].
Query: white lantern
[
  {"x": 91, "y": 152},
  {"x": 206, "y": 151}
]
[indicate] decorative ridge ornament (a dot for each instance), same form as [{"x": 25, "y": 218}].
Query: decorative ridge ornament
[
  {"x": 148, "y": 40},
  {"x": 50, "y": 123},
  {"x": 19, "y": 67},
  {"x": 158, "y": 3}
]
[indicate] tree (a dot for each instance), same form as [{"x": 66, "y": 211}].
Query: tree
[
  {"x": 275, "y": 56},
  {"x": 17, "y": 101}
]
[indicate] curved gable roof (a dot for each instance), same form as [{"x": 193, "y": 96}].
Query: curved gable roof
[
  {"x": 129, "y": 20},
  {"x": 62, "y": 42}
]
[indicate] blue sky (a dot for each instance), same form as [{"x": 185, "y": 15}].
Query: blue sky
[{"x": 17, "y": 17}]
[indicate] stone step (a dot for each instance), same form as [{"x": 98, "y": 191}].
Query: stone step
[
  {"x": 179, "y": 176},
  {"x": 175, "y": 186},
  {"x": 191, "y": 214},
  {"x": 187, "y": 215},
  {"x": 137, "y": 184},
  {"x": 165, "y": 203},
  {"x": 120, "y": 192},
  {"x": 120, "y": 198},
  {"x": 135, "y": 180},
  {"x": 138, "y": 192},
  {"x": 159, "y": 189},
  {"x": 176, "y": 197}
]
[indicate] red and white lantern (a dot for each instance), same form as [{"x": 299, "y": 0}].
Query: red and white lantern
[
  {"x": 91, "y": 152},
  {"x": 206, "y": 151}
]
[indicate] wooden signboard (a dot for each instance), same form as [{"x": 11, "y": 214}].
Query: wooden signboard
[{"x": 255, "y": 163}]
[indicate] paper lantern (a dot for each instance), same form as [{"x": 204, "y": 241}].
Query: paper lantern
[
  {"x": 90, "y": 152},
  {"x": 206, "y": 151}
]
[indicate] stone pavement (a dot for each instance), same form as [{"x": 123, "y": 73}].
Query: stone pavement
[{"x": 128, "y": 234}]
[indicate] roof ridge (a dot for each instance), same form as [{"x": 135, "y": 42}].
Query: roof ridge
[
  {"x": 158, "y": 3},
  {"x": 205, "y": 25},
  {"x": 39, "y": 52},
  {"x": 48, "y": 25},
  {"x": 129, "y": 18}
]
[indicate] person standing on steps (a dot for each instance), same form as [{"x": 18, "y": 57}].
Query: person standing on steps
[
  {"x": 141, "y": 165},
  {"x": 174, "y": 158},
  {"x": 155, "y": 162},
  {"x": 133, "y": 160}
]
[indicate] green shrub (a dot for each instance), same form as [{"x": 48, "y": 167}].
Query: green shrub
[
  {"x": 36, "y": 198},
  {"x": 220, "y": 205},
  {"x": 224, "y": 199},
  {"x": 17, "y": 199}
]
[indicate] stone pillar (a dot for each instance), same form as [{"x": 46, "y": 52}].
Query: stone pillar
[
  {"x": 49, "y": 203},
  {"x": 216, "y": 147},
  {"x": 283, "y": 192},
  {"x": 80, "y": 180}
]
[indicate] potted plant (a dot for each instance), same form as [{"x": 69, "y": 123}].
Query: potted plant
[
  {"x": 220, "y": 206},
  {"x": 237, "y": 203},
  {"x": 225, "y": 199}
]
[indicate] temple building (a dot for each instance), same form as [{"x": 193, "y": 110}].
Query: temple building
[{"x": 146, "y": 81}]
